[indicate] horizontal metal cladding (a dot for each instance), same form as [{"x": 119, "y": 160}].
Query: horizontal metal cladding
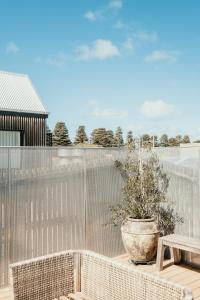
[{"x": 31, "y": 126}]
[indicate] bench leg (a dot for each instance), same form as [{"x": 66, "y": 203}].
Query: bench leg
[
  {"x": 175, "y": 255},
  {"x": 160, "y": 255}
]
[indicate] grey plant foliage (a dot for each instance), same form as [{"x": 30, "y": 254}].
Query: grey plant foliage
[{"x": 144, "y": 194}]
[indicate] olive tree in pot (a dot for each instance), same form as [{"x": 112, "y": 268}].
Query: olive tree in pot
[{"x": 144, "y": 211}]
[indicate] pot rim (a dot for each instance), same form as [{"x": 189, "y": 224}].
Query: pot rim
[
  {"x": 140, "y": 220},
  {"x": 134, "y": 234}
]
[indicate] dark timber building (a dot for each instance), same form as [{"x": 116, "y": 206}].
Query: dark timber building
[{"x": 22, "y": 114}]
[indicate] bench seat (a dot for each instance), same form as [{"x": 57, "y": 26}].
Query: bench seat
[{"x": 176, "y": 242}]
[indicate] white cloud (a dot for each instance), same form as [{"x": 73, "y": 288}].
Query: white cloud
[
  {"x": 156, "y": 109},
  {"x": 116, "y": 4},
  {"x": 141, "y": 35},
  {"x": 102, "y": 13},
  {"x": 162, "y": 55},
  {"x": 129, "y": 44},
  {"x": 119, "y": 25},
  {"x": 58, "y": 60},
  {"x": 100, "y": 49},
  {"x": 146, "y": 36},
  {"x": 109, "y": 113},
  {"x": 11, "y": 47},
  {"x": 91, "y": 16}
]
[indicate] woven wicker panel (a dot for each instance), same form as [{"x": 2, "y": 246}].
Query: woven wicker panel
[
  {"x": 102, "y": 278},
  {"x": 44, "y": 278}
]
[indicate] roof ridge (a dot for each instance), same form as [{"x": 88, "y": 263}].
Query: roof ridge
[{"x": 12, "y": 73}]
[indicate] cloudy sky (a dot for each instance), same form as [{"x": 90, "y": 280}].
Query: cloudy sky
[{"x": 106, "y": 63}]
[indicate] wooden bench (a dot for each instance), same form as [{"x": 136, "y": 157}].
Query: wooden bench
[{"x": 176, "y": 243}]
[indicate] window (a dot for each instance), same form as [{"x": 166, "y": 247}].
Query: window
[{"x": 9, "y": 138}]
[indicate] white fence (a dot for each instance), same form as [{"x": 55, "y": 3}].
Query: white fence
[{"x": 54, "y": 199}]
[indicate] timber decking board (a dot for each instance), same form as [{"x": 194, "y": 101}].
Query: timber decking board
[{"x": 182, "y": 274}]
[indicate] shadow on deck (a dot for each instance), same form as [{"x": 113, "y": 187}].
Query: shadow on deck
[{"x": 182, "y": 274}]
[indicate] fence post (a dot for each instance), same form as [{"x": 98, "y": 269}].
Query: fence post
[{"x": 85, "y": 199}]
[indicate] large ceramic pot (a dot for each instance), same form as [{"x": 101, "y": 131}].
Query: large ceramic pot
[{"x": 140, "y": 239}]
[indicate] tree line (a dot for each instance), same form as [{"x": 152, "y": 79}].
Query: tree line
[{"x": 108, "y": 138}]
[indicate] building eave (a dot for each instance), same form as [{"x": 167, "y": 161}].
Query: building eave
[{"x": 23, "y": 113}]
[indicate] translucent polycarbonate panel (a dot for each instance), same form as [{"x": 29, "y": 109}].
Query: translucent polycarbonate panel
[
  {"x": 9, "y": 138},
  {"x": 56, "y": 199},
  {"x": 52, "y": 199},
  {"x": 104, "y": 184},
  {"x": 183, "y": 167}
]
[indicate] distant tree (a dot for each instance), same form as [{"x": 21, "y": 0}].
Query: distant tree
[
  {"x": 178, "y": 139},
  {"x": 99, "y": 136},
  {"x": 110, "y": 138},
  {"x": 186, "y": 139},
  {"x": 146, "y": 140},
  {"x": 145, "y": 137},
  {"x": 172, "y": 142},
  {"x": 130, "y": 141},
  {"x": 61, "y": 135},
  {"x": 81, "y": 137},
  {"x": 129, "y": 138},
  {"x": 118, "y": 138},
  {"x": 48, "y": 136},
  {"x": 196, "y": 141},
  {"x": 164, "y": 140}
]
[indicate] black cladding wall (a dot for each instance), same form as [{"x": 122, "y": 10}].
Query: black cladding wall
[{"x": 31, "y": 126}]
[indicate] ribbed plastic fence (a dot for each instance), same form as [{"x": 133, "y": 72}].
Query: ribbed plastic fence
[
  {"x": 56, "y": 199},
  {"x": 52, "y": 199}
]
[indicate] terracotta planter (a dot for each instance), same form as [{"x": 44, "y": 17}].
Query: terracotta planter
[{"x": 140, "y": 239}]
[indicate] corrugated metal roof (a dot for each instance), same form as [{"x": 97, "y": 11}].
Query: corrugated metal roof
[{"x": 18, "y": 94}]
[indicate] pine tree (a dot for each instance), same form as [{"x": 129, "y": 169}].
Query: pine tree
[
  {"x": 156, "y": 143},
  {"x": 110, "y": 138},
  {"x": 186, "y": 139},
  {"x": 99, "y": 137},
  {"x": 164, "y": 140},
  {"x": 146, "y": 140},
  {"x": 118, "y": 138},
  {"x": 81, "y": 137},
  {"x": 129, "y": 139},
  {"x": 178, "y": 139},
  {"x": 61, "y": 135},
  {"x": 172, "y": 142},
  {"x": 48, "y": 136}
]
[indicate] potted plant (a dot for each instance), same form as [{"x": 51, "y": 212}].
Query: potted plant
[{"x": 144, "y": 211}]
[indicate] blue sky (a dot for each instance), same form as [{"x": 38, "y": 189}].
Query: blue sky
[{"x": 106, "y": 63}]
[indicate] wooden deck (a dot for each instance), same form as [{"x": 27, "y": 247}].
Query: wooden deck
[{"x": 182, "y": 274}]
